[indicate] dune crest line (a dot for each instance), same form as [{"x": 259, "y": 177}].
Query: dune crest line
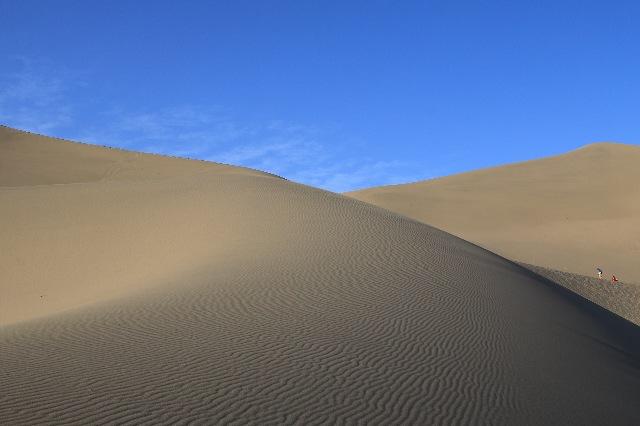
[{"x": 233, "y": 297}]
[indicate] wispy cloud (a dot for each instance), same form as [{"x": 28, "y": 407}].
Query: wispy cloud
[
  {"x": 308, "y": 158},
  {"x": 186, "y": 131},
  {"x": 348, "y": 175},
  {"x": 31, "y": 100},
  {"x": 277, "y": 146},
  {"x": 41, "y": 102}
]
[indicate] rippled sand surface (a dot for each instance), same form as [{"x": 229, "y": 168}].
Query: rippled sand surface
[
  {"x": 193, "y": 293},
  {"x": 572, "y": 212}
]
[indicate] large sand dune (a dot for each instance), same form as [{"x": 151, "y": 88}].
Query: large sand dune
[
  {"x": 573, "y": 212},
  {"x": 194, "y": 293},
  {"x": 81, "y": 223}
]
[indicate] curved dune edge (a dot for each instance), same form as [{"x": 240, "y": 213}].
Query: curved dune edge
[
  {"x": 31, "y": 159},
  {"x": 572, "y": 212},
  {"x": 277, "y": 303},
  {"x": 621, "y": 298},
  {"x": 82, "y": 223}
]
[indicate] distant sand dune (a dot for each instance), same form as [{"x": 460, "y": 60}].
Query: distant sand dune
[
  {"x": 573, "y": 212},
  {"x": 214, "y": 295}
]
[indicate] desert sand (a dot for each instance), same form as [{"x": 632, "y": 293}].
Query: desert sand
[
  {"x": 620, "y": 298},
  {"x": 573, "y": 212},
  {"x": 139, "y": 289}
]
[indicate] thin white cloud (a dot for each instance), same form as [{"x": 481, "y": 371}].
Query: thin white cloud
[
  {"x": 40, "y": 102},
  {"x": 275, "y": 149},
  {"x": 309, "y": 161},
  {"x": 29, "y": 100},
  {"x": 348, "y": 175},
  {"x": 187, "y": 131}
]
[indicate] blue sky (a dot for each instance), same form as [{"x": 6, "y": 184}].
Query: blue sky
[{"x": 340, "y": 95}]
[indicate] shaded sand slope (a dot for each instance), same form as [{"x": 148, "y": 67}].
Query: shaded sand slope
[
  {"x": 305, "y": 308},
  {"x": 572, "y": 212},
  {"x": 620, "y": 298}
]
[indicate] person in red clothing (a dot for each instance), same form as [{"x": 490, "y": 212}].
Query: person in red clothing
[{"x": 614, "y": 279}]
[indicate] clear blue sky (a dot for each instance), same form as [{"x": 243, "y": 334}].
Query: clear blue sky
[{"x": 341, "y": 95}]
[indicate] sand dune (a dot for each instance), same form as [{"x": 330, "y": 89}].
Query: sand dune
[
  {"x": 572, "y": 212},
  {"x": 81, "y": 223},
  {"x": 620, "y": 298},
  {"x": 188, "y": 292}
]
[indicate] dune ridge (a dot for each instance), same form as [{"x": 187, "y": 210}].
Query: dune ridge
[
  {"x": 621, "y": 298},
  {"x": 254, "y": 300},
  {"x": 572, "y": 212},
  {"x": 82, "y": 222},
  {"x": 48, "y": 161}
]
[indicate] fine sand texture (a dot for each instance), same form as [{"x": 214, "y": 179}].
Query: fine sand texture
[
  {"x": 619, "y": 297},
  {"x": 573, "y": 212},
  {"x": 179, "y": 292},
  {"x": 79, "y": 223}
]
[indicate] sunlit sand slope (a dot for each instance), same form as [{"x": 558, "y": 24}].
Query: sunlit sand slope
[
  {"x": 572, "y": 212},
  {"x": 80, "y": 223},
  {"x": 267, "y": 302},
  {"x": 27, "y": 159}
]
